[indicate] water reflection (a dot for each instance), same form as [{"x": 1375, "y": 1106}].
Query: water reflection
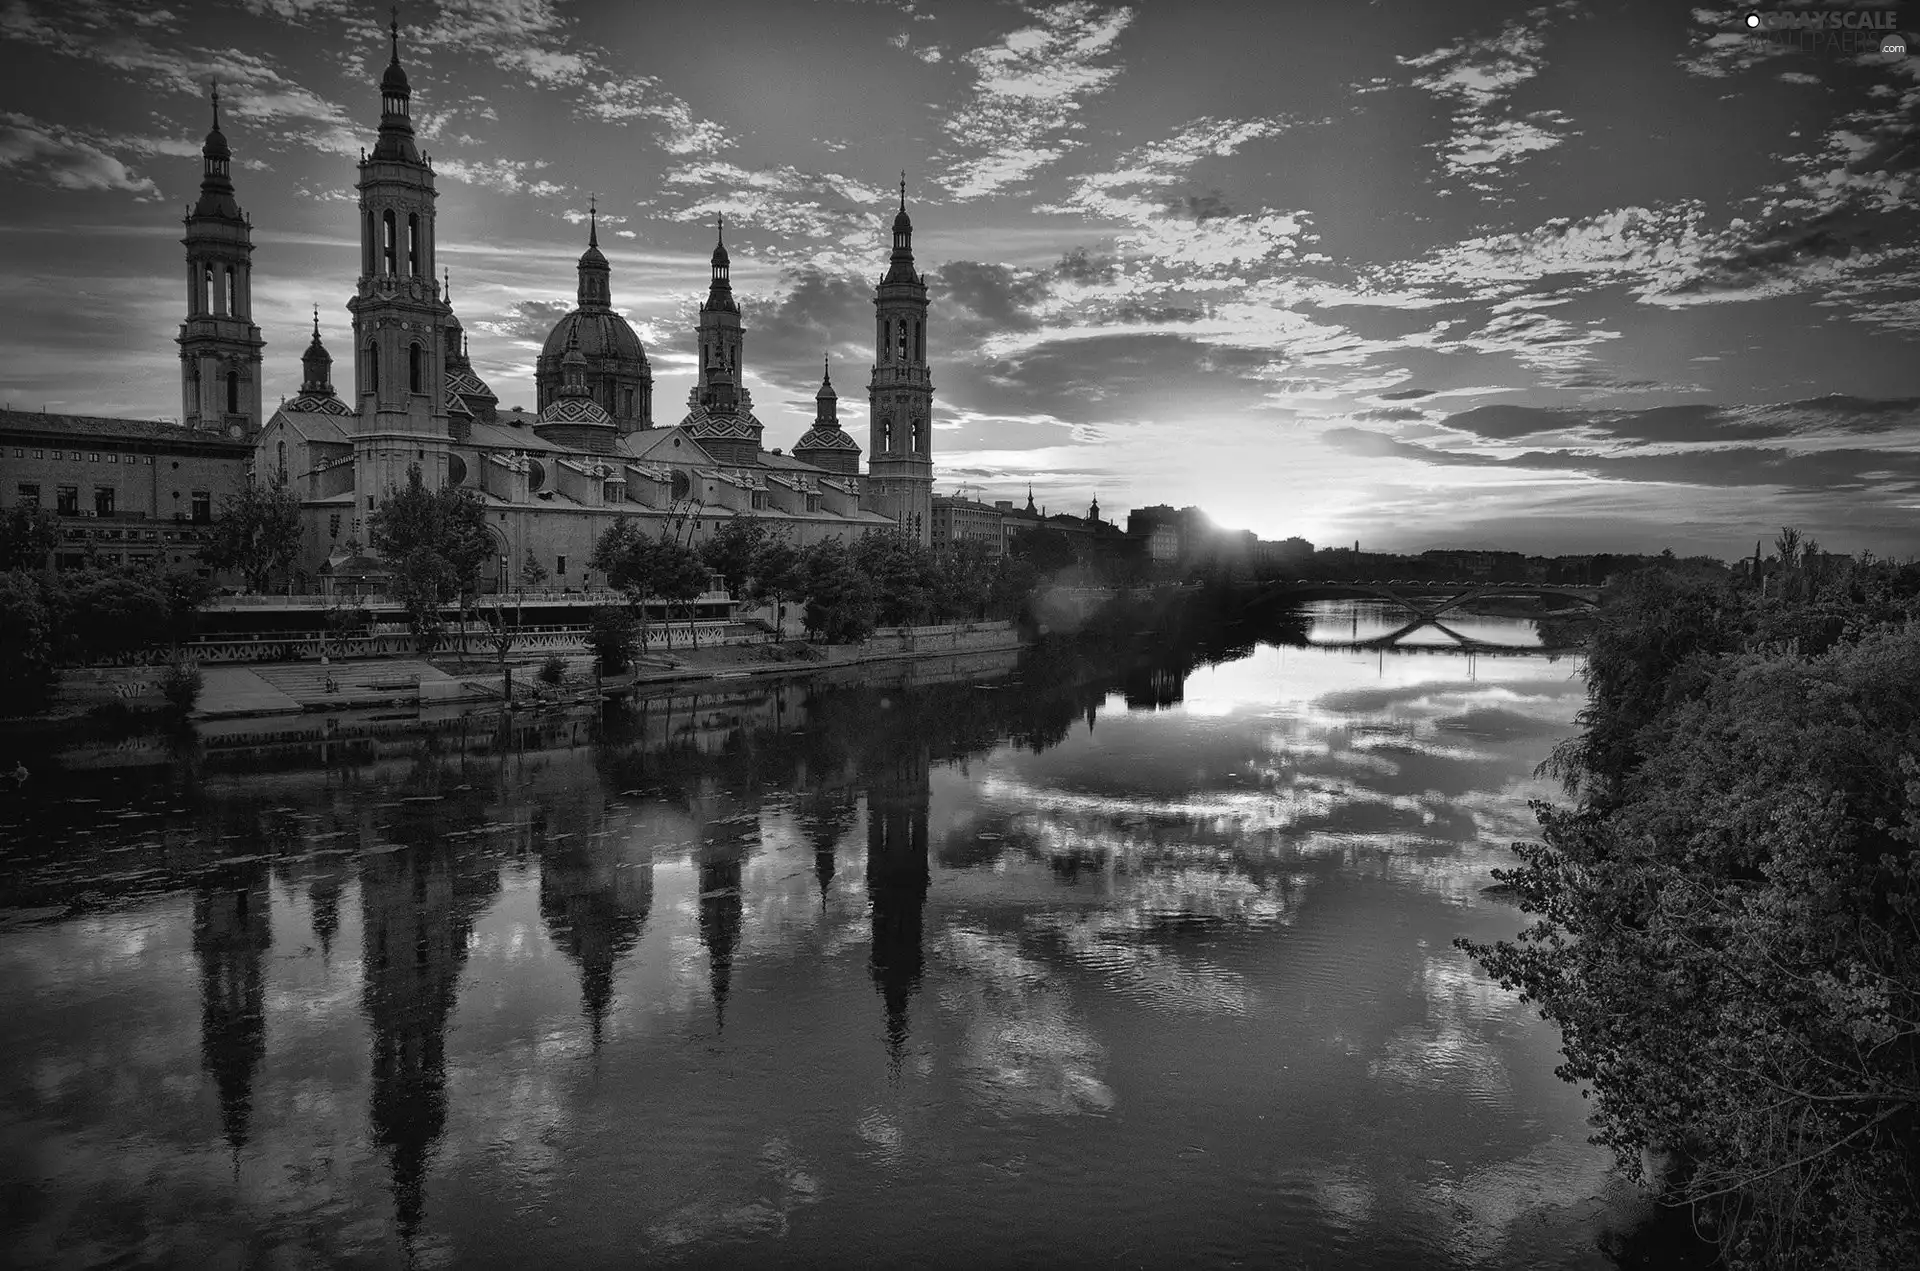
[{"x": 1185, "y": 907}]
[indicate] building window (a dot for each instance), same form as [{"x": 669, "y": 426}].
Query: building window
[
  {"x": 560, "y": 567},
  {"x": 29, "y": 495},
  {"x": 202, "y": 507},
  {"x": 67, "y": 500},
  {"x": 628, "y": 410},
  {"x": 19, "y": 453},
  {"x": 93, "y": 458},
  {"x": 113, "y": 458},
  {"x": 103, "y": 500},
  {"x": 373, "y": 368},
  {"x": 388, "y": 247},
  {"x": 333, "y": 526},
  {"x": 413, "y": 369},
  {"x": 413, "y": 244},
  {"x": 886, "y": 436},
  {"x": 919, "y": 341},
  {"x": 233, "y": 392},
  {"x": 233, "y": 292},
  {"x": 41, "y": 455},
  {"x": 206, "y": 289},
  {"x": 903, "y": 341}
]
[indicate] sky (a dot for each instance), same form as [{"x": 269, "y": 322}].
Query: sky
[{"x": 1583, "y": 276}]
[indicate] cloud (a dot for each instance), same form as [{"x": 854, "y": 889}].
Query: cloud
[
  {"x": 1478, "y": 74},
  {"x": 509, "y": 176},
  {"x": 64, "y": 159},
  {"x": 1028, "y": 89},
  {"x": 528, "y": 321}
]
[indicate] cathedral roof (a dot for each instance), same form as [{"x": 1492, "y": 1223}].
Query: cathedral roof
[
  {"x": 601, "y": 333},
  {"x": 464, "y": 383},
  {"x": 706, "y": 425},
  {"x": 318, "y": 404},
  {"x": 826, "y": 439},
  {"x": 574, "y": 410}
]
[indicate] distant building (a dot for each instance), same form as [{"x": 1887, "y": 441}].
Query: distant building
[
  {"x": 956, "y": 520},
  {"x": 127, "y": 491}
]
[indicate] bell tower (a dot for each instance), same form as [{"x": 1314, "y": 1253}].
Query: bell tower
[
  {"x": 399, "y": 315},
  {"x": 721, "y": 334},
  {"x": 900, "y": 395},
  {"x": 219, "y": 344}
]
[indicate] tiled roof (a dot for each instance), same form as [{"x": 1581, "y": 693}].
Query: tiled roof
[
  {"x": 315, "y": 404},
  {"x": 575, "y": 410},
  {"x": 104, "y": 429},
  {"x": 827, "y": 439}
]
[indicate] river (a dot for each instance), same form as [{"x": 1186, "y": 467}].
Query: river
[{"x": 986, "y": 964}]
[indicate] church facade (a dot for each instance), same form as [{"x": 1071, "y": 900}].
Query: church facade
[{"x": 554, "y": 479}]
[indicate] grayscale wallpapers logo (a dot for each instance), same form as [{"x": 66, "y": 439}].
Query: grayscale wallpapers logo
[{"x": 1841, "y": 26}]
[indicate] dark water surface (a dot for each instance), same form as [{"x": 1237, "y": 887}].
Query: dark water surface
[{"x": 956, "y": 966}]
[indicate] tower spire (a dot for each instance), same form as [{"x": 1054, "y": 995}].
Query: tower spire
[
  {"x": 593, "y": 220},
  {"x": 903, "y": 189},
  {"x": 393, "y": 29},
  {"x": 316, "y": 324},
  {"x": 446, "y": 286},
  {"x": 215, "y": 81}
]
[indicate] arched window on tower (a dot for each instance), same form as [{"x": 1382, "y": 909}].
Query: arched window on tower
[
  {"x": 903, "y": 340},
  {"x": 233, "y": 392},
  {"x": 414, "y": 376},
  {"x": 913, "y": 438},
  {"x": 373, "y": 368},
  {"x": 413, "y": 244},
  {"x": 371, "y": 250},
  {"x": 919, "y": 340},
  {"x": 206, "y": 289},
  {"x": 388, "y": 246},
  {"x": 886, "y": 436},
  {"x": 233, "y": 292}
]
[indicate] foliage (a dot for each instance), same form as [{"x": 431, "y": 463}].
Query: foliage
[
  {"x": 256, "y": 535},
  {"x": 612, "y": 635},
  {"x": 107, "y": 613},
  {"x": 840, "y": 598},
  {"x": 27, "y": 534},
  {"x": 436, "y": 542},
  {"x": 1047, "y": 550},
  {"x": 181, "y": 683},
  {"x": 26, "y": 644},
  {"x": 1726, "y": 924},
  {"x": 902, "y": 574},
  {"x": 679, "y": 578},
  {"x": 532, "y": 572},
  {"x": 776, "y": 578},
  {"x": 553, "y": 671},
  {"x": 964, "y": 581},
  {"x": 733, "y": 551}
]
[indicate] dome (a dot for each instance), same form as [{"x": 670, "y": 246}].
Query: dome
[
  {"x": 902, "y": 224},
  {"x": 394, "y": 82},
  {"x": 318, "y": 404},
  {"x": 216, "y": 146},
  {"x": 720, "y": 255},
  {"x": 826, "y": 439},
  {"x": 601, "y": 334},
  {"x": 593, "y": 258}
]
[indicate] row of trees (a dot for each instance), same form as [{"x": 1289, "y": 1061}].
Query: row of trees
[{"x": 1727, "y": 927}]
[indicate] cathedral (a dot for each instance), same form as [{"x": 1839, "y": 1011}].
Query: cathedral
[{"x": 554, "y": 479}]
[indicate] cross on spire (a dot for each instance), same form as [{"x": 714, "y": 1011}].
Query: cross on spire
[
  {"x": 720, "y": 228},
  {"x": 446, "y": 285},
  {"x": 903, "y": 189},
  {"x": 593, "y": 220},
  {"x": 394, "y": 30},
  {"x": 216, "y": 102},
  {"x": 316, "y": 322}
]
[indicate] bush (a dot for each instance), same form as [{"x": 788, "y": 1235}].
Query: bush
[
  {"x": 553, "y": 671},
  {"x": 612, "y": 637},
  {"x": 181, "y": 683}
]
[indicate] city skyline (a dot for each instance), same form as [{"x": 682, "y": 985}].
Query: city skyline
[{"x": 1421, "y": 278}]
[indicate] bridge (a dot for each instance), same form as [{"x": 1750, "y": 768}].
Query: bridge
[
  {"x": 1429, "y": 600},
  {"x": 1392, "y": 641}
]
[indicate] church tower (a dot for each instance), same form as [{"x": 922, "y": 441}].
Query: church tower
[
  {"x": 900, "y": 453},
  {"x": 219, "y": 344},
  {"x": 398, "y": 312},
  {"x": 721, "y": 334}
]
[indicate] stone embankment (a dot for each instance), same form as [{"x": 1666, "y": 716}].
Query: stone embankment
[{"x": 235, "y": 691}]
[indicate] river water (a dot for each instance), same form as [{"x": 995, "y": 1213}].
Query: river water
[{"x": 981, "y": 964}]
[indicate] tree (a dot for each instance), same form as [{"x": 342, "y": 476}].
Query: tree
[
  {"x": 26, "y": 644},
  {"x": 776, "y": 578},
  {"x": 902, "y": 573},
  {"x": 612, "y": 637},
  {"x": 1726, "y": 929},
  {"x": 965, "y": 580},
  {"x": 679, "y": 577},
  {"x": 257, "y": 534},
  {"x": 436, "y": 542},
  {"x": 630, "y": 559},
  {"x": 532, "y": 572},
  {"x": 108, "y": 613},
  {"x": 734, "y": 548},
  {"x": 27, "y": 534},
  {"x": 1048, "y": 550},
  {"x": 840, "y": 600}
]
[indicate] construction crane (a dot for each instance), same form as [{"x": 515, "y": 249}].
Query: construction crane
[{"x": 960, "y": 491}]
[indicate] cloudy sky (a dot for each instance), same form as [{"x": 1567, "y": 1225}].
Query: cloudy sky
[{"x": 1579, "y": 276}]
